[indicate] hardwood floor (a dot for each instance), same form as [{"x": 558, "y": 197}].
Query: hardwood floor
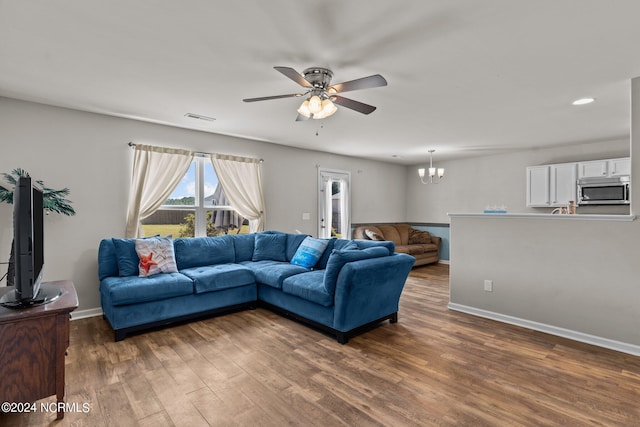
[{"x": 434, "y": 367}]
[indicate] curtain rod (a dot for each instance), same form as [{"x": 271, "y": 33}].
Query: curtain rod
[{"x": 196, "y": 153}]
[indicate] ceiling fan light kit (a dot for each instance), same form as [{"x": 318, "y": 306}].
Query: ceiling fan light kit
[
  {"x": 317, "y": 109},
  {"x": 322, "y": 97}
]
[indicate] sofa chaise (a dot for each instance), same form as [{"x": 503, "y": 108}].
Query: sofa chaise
[
  {"x": 421, "y": 245},
  {"x": 351, "y": 286}
]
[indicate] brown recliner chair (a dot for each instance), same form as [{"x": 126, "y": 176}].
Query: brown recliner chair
[{"x": 424, "y": 247}]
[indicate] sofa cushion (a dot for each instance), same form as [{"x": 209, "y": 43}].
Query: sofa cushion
[
  {"x": 107, "y": 259},
  {"x": 334, "y": 243},
  {"x": 309, "y": 286},
  {"x": 220, "y": 276},
  {"x": 419, "y": 237},
  {"x": 344, "y": 245},
  {"x": 293, "y": 243},
  {"x": 410, "y": 249},
  {"x": 430, "y": 247},
  {"x": 364, "y": 244},
  {"x": 200, "y": 251},
  {"x": 417, "y": 249},
  {"x": 270, "y": 247},
  {"x": 391, "y": 233},
  {"x": 156, "y": 256},
  {"x": 243, "y": 245},
  {"x": 322, "y": 262},
  {"x": 273, "y": 273},
  {"x": 309, "y": 252},
  {"x": 397, "y": 233},
  {"x": 134, "y": 289},
  {"x": 339, "y": 258},
  {"x": 127, "y": 257}
]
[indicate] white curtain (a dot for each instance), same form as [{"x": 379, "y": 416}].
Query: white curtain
[
  {"x": 157, "y": 172},
  {"x": 241, "y": 181}
]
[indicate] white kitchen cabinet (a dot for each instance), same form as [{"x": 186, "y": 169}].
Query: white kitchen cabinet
[
  {"x": 538, "y": 186},
  {"x": 563, "y": 183},
  {"x": 618, "y": 167},
  {"x": 604, "y": 168},
  {"x": 593, "y": 168},
  {"x": 556, "y": 185}
]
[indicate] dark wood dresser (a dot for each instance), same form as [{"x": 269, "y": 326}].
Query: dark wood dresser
[{"x": 33, "y": 344}]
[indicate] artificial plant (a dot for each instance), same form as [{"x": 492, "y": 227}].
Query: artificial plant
[{"x": 53, "y": 201}]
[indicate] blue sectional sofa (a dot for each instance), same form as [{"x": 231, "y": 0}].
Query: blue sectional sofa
[{"x": 355, "y": 285}]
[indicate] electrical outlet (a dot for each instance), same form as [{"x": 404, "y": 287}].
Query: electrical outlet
[{"x": 488, "y": 285}]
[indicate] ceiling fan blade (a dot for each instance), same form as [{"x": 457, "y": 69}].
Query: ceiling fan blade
[
  {"x": 301, "y": 118},
  {"x": 358, "y": 106},
  {"x": 363, "y": 83},
  {"x": 294, "y": 75},
  {"x": 267, "y": 98}
]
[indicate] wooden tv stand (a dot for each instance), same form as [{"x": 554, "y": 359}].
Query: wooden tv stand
[{"x": 33, "y": 344}]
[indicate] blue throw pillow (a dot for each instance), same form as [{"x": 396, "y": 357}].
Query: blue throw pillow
[
  {"x": 309, "y": 252},
  {"x": 339, "y": 258},
  {"x": 270, "y": 247}
]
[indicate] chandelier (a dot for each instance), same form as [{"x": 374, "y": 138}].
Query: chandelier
[{"x": 432, "y": 172}]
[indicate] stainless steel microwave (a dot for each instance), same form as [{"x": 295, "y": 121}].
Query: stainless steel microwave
[{"x": 604, "y": 191}]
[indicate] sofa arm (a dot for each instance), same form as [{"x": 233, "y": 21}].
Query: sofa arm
[
  {"x": 436, "y": 241},
  {"x": 369, "y": 289}
]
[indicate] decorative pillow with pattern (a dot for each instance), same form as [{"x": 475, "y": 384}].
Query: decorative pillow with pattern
[
  {"x": 309, "y": 252},
  {"x": 373, "y": 235},
  {"x": 128, "y": 259},
  {"x": 419, "y": 237},
  {"x": 156, "y": 256}
]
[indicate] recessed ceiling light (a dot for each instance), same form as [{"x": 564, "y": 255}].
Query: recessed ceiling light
[{"x": 583, "y": 101}]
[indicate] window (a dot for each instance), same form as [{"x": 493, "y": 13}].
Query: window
[{"x": 197, "y": 207}]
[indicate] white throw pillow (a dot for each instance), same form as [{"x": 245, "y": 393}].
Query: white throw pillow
[{"x": 156, "y": 256}]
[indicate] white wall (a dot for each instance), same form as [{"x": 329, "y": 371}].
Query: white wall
[
  {"x": 88, "y": 153},
  {"x": 291, "y": 175},
  {"x": 574, "y": 277},
  {"x": 472, "y": 184}
]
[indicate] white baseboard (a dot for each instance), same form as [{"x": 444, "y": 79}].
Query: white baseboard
[
  {"x": 443, "y": 261},
  {"x": 83, "y": 314},
  {"x": 550, "y": 329}
]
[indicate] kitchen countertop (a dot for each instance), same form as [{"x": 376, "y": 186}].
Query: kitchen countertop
[{"x": 562, "y": 217}]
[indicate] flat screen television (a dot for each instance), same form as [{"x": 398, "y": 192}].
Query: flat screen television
[{"x": 28, "y": 241}]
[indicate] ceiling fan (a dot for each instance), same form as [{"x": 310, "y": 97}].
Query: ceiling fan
[{"x": 322, "y": 94}]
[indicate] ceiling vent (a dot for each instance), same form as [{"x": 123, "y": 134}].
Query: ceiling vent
[{"x": 199, "y": 117}]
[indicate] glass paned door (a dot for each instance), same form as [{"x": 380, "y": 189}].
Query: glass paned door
[{"x": 334, "y": 219}]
